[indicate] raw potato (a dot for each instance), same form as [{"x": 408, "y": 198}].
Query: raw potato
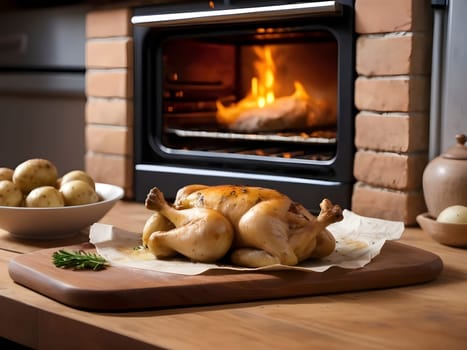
[
  {"x": 10, "y": 194},
  {"x": 77, "y": 175},
  {"x": 44, "y": 197},
  {"x": 6, "y": 174},
  {"x": 78, "y": 192},
  {"x": 35, "y": 173},
  {"x": 456, "y": 214}
]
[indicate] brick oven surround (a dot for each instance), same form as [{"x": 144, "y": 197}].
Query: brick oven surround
[{"x": 393, "y": 63}]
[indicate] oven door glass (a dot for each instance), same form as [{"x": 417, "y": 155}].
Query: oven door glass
[{"x": 264, "y": 93}]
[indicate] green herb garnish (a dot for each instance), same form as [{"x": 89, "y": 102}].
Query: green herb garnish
[{"x": 78, "y": 260}]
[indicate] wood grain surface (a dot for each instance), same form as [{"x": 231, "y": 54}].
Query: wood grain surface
[
  {"x": 118, "y": 288},
  {"x": 420, "y": 316}
]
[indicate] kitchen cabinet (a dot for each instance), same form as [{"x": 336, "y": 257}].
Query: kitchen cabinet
[{"x": 42, "y": 84}]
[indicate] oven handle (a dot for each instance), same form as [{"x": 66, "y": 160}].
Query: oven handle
[{"x": 240, "y": 14}]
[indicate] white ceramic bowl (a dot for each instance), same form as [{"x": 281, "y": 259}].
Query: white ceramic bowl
[{"x": 60, "y": 222}]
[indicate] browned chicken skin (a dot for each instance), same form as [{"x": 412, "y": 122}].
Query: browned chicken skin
[{"x": 266, "y": 227}]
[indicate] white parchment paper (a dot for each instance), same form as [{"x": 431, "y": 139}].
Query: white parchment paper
[{"x": 358, "y": 240}]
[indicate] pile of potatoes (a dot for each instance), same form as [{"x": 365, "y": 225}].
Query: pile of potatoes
[{"x": 35, "y": 183}]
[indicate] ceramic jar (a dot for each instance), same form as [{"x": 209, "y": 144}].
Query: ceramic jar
[{"x": 445, "y": 179}]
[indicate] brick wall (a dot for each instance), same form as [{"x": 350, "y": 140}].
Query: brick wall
[
  {"x": 109, "y": 91},
  {"x": 391, "y": 94},
  {"x": 392, "y": 91}
]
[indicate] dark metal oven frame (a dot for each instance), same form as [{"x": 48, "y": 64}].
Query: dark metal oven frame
[{"x": 306, "y": 181}]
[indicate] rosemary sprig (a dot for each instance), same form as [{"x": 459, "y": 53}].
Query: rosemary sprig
[{"x": 78, "y": 260}]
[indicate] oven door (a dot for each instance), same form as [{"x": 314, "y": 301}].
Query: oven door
[{"x": 190, "y": 65}]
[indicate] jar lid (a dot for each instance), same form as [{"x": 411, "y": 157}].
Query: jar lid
[{"x": 458, "y": 151}]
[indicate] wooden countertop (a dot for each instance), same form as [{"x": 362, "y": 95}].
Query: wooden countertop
[{"x": 426, "y": 316}]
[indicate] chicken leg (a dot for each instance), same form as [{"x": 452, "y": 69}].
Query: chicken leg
[
  {"x": 156, "y": 222},
  {"x": 201, "y": 234},
  {"x": 322, "y": 242},
  {"x": 295, "y": 239}
]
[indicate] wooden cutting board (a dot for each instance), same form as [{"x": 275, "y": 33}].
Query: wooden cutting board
[{"x": 120, "y": 289}]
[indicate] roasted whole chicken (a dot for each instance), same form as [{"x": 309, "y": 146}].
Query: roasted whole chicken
[{"x": 255, "y": 226}]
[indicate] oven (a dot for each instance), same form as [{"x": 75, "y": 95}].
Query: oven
[{"x": 257, "y": 93}]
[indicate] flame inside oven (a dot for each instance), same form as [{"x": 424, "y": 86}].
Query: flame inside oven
[
  {"x": 251, "y": 98},
  {"x": 261, "y": 111}
]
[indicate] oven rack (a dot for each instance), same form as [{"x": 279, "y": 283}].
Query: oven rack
[{"x": 298, "y": 137}]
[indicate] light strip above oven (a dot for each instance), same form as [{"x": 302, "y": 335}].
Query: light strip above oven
[{"x": 240, "y": 14}]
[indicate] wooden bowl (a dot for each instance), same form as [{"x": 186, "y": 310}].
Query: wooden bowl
[{"x": 449, "y": 234}]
